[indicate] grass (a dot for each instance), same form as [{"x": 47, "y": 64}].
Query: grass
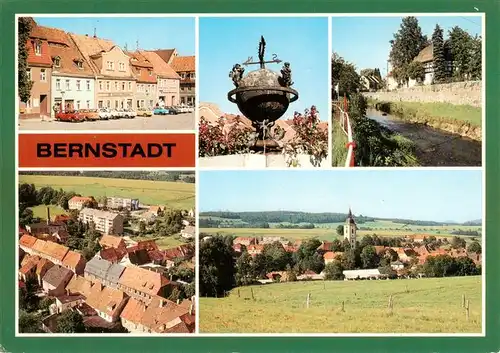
[
  {"x": 429, "y": 305},
  {"x": 339, "y": 150},
  {"x": 162, "y": 242},
  {"x": 171, "y": 194},
  {"x": 40, "y": 211},
  {"x": 436, "y": 111}
]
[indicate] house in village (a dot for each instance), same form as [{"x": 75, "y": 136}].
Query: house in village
[
  {"x": 168, "y": 81},
  {"x": 185, "y": 66},
  {"x": 115, "y": 82},
  {"x": 104, "y": 221},
  {"x": 108, "y": 302},
  {"x": 363, "y": 274},
  {"x": 146, "y": 87},
  {"x": 188, "y": 232},
  {"x": 39, "y": 72},
  {"x": 143, "y": 285},
  {"x": 72, "y": 77},
  {"x": 116, "y": 203},
  {"x": 105, "y": 272},
  {"x": 55, "y": 280},
  {"x": 370, "y": 83},
  {"x": 74, "y": 262},
  {"x": 77, "y": 202}
]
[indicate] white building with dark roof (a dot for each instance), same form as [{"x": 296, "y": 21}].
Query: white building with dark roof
[{"x": 104, "y": 221}]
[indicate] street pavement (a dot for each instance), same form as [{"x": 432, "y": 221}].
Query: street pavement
[{"x": 184, "y": 121}]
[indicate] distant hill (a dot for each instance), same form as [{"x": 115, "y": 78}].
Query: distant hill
[
  {"x": 295, "y": 217},
  {"x": 186, "y": 177}
]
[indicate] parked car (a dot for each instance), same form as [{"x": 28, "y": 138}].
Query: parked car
[
  {"x": 173, "y": 111},
  {"x": 144, "y": 112},
  {"x": 70, "y": 116},
  {"x": 160, "y": 111},
  {"x": 115, "y": 114},
  {"x": 104, "y": 114},
  {"x": 129, "y": 113},
  {"x": 89, "y": 114}
]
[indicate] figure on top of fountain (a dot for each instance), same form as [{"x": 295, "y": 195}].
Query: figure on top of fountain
[
  {"x": 286, "y": 76},
  {"x": 236, "y": 74}
]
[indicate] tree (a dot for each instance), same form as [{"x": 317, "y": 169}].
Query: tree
[
  {"x": 25, "y": 25},
  {"x": 460, "y": 43},
  {"x": 29, "y": 322},
  {"x": 291, "y": 273},
  {"x": 175, "y": 295},
  {"x": 439, "y": 59},
  {"x": 475, "y": 65},
  {"x": 25, "y": 217},
  {"x": 407, "y": 43},
  {"x": 474, "y": 247},
  {"x": 367, "y": 240},
  {"x": 340, "y": 229},
  {"x": 344, "y": 76},
  {"x": 92, "y": 203},
  {"x": 142, "y": 227},
  {"x": 216, "y": 267},
  {"x": 70, "y": 322},
  {"x": 369, "y": 257},
  {"x": 337, "y": 245},
  {"x": 348, "y": 260},
  {"x": 416, "y": 71},
  {"x": 458, "y": 243},
  {"x": 276, "y": 257},
  {"x": 244, "y": 270},
  {"x": 465, "y": 267},
  {"x": 333, "y": 271}
]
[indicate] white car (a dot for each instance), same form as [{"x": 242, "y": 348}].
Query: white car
[
  {"x": 104, "y": 114},
  {"x": 129, "y": 113}
]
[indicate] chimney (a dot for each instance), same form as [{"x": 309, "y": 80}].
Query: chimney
[
  {"x": 178, "y": 301},
  {"x": 191, "y": 309},
  {"x": 48, "y": 215},
  {"x": 162, "y": 303}
]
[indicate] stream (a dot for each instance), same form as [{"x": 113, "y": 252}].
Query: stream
[{"x": 434, "y": 147}]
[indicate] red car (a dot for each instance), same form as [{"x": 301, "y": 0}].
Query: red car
[{"x": 70, "y": 116}]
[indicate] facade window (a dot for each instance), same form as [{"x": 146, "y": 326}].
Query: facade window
[
  {"x": 130, "y": 86},
  {"x": 100, "y": 85},
  {"x": 142, "y": 103},
  {"x": 182, "y": 88},
  {"x": 183, "y": 75},
  {"x": 107, "y": 85},
  {"x": 88, "y": 85},
  {"x": 88, "y": 104},
  {"x": 150, "y": 103},
  {"x": 28, "y": 73},
  {"x": 150, "y": 73},
  {"x": 36, "y": 102},
  {"x": 147, "y": 89},
  {"x": 110, "y": 65},
  {"x": 77, "y": 105},
  {"x": 122, "y": 66},
  {"x": 38, "y": 48},
  {"x": 58, "y": 85},
  {"x": 116, "y": 104},
  {"x": 78, "y": 85},
  {"x": 28, "y": 103},
  {"x": 108, "y": 104},
  {"x": 57, "y": 61},
  {"x": 123, "y": 86},
  {"x": 192, "y": 75},
  {"x": 68, "y": 88},
  {"x": 116, "y": 86},
  {"x": 80, "y": 64},
  {"x": 43, "y": 76}
]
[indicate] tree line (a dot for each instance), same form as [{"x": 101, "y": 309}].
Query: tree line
[
  {"x": 187, "y": 177},
  {"x": 221, "y": 268},
  {"x": 285, "y": 217}
]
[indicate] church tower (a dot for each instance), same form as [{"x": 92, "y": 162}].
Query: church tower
[{"x": 350, "y": 229}]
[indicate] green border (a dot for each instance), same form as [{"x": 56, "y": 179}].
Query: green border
[{"x": 490, "y": 343}]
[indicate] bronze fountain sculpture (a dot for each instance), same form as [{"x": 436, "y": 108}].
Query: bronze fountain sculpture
[{"x": 263, "y": 96}]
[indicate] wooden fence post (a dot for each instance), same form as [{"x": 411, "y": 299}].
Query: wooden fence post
[
  {"x": 238, "y": 292},
  {"x": 463, "y": 300},
  {"x": 253, "y": 298},
  {"x": 467, "y": 312},
  {"x": 343, "y": 308},
  {"x": 391, "y": 304},
  {"x": 308, "y": 299}
]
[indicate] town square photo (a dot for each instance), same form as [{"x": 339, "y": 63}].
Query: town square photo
[
  {"x": 84, "y": 73},
  {"x": 106, "y": 252},
  {"x": 341, "y": 252},
  {"x": 407, "y": 90},
  {"x": 263, "y": 92}
]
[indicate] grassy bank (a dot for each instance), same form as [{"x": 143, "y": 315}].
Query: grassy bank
[
  {"x": 40, "y": 211},
  {"x": 339, "y": 139},
  {"x": 429, "y": 305},
  {"x": 171, "y": 194},
  {"x": 462, "y": 119}
]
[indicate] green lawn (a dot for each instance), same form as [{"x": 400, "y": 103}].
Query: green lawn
[
  {"x": 429, "y": 305},
  {"x": 436, "y": 111},
  {"x": 40, "y": 211},
  {"x": 171, "y": 194},
  {"x": 339, "y": 142}
]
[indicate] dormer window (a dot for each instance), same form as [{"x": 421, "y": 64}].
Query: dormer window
[
  {"x": 150, "y": 73},
  {"x": 38, "y": 48},
  {"x": 57, "y": 61},
  {"x": 79, "y": 63}
]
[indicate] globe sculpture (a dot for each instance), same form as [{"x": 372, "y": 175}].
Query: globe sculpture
[{"x": 263, "y": 96}]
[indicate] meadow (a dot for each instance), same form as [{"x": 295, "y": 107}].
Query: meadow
[
  {"x": 40, "y": 211},
  {"x": 339, "y": 149},
  {"x": 171, "y": 194},
  {"x": 162, "y": 242},
  {"x": 428, "y": 305}
]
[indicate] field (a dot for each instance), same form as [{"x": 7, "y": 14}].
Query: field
[
  {"x": 162, "y": 242},
  {"x": 429, "y": 305},
  {"x": 327, "y": 231},
  {"x": 170, "y": 194},
  {"x": 40, "y": 211},
  {"x": 339, "y": 149}
]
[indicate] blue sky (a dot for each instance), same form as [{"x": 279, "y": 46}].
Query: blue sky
[
  {"x": 301, "y": 41},
  {"x": 364, "y": 41},
  {"x": 437, "y": 195},
  {"x": 152, "y": 33}
]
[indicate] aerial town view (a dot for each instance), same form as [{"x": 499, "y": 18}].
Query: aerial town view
[
  {"x": 106, "y": 252},
  {"x": 85, "y": 73},
  {"x": 263, "y": 102},
  {"x": 409, "y": 93},
  {"x": 372, "y": 252}
]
